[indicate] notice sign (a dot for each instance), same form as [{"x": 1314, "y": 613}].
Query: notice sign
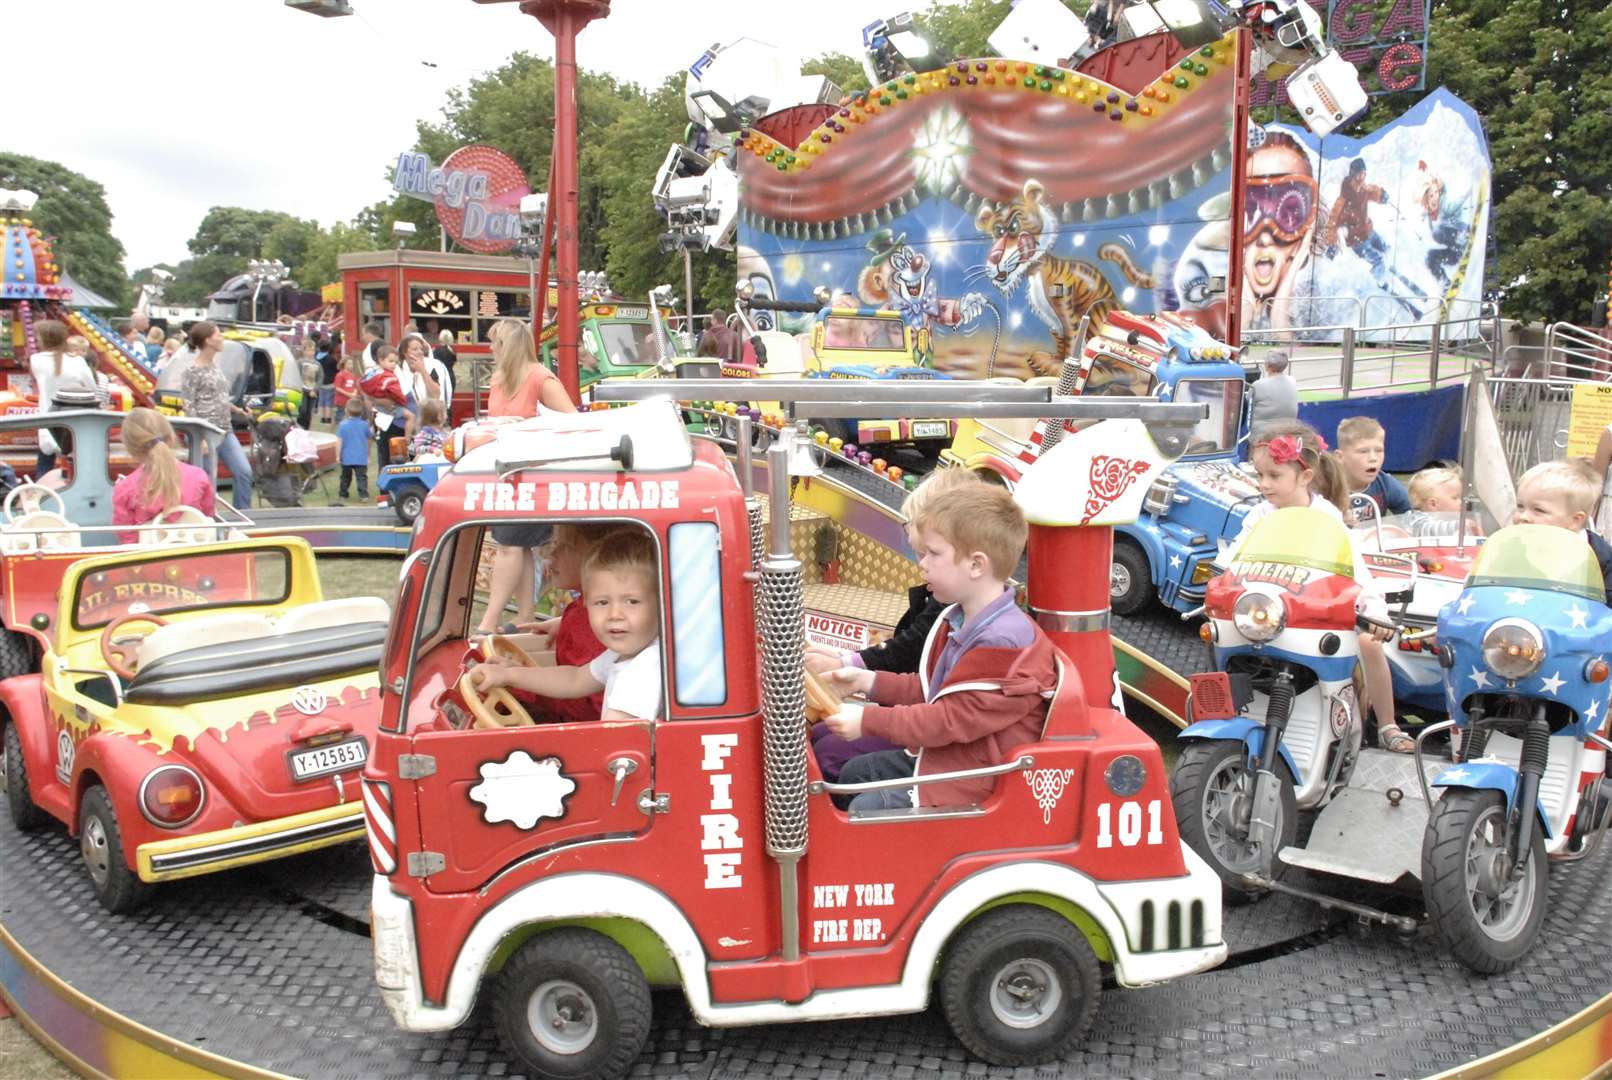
[
  {"x": 835, "y": 633},
  {"x": 1591, "y": 413}
]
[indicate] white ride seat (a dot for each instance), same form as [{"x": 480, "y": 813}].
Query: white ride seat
[
  {"x": 40, "y": 530},
  {"x": 219, "y": 629},
  {"x": 180, "y": 525},
  {"x": 349, "y": 611},
  {"x": 1042, "y": 380}
]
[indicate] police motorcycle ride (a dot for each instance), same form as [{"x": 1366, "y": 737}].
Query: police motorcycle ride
[
  {"x": 1275, "y": 728},
  {"x": 1525, "y": 657}
]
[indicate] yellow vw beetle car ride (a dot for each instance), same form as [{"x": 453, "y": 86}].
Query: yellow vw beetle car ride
[{"x": 200, "y": 707}]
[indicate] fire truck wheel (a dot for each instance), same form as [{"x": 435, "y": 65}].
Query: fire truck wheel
[
  {"x": 1130, "y": 580},
  {"x": 572, "y": 1003},
  {"x": 118, "y": 888},
  {"x": 1487, "y": 918},
  {"x": 16, "y": 654},
  {"x": 1020, "y": 985},
  {"x": 1212, "y": 789},
  {"x": 24, "y": 814}
]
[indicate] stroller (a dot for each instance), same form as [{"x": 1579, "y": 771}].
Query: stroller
[{"x": 277, "y": 482}]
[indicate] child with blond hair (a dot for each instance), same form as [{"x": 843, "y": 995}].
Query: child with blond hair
[
  {"x": 1362, "y": 446},
  {"x": 161, "y": 481},
  {"x": 1294, "y": 469},
  {"x": 986, "y": 670},
  {"x": 621, "y": 590},
  {"x": 1562, "y": 493}
]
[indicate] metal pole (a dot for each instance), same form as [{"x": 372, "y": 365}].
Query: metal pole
[
  {"x": 1435, "y": 340},
  {"x": 688, "y": 299},
  {"x": 564, "y": 19},
  {"x": 1346, "y": 363}
]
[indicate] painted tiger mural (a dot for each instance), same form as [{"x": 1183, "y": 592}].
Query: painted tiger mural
[{"x": 1059, "y": 290}]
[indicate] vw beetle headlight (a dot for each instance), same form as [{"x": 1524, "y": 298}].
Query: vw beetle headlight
[
  {"x": 1513, "y": 648},
  {"x": 1258, "y": 617}
]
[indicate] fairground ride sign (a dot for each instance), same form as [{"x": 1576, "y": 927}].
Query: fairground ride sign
[
  {"x": 477, "y": 192},
  {"x": 1386, "y": 41}
]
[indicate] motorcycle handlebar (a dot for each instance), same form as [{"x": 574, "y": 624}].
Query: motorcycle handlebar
[{"x": 1366, "y": 622}]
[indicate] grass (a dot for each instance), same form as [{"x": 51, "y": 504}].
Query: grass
[{"x": 359, "y": 576}]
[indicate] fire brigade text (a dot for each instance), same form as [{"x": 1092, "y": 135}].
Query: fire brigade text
[
  {"x": 575, "y": 495},
  {"x": 719, "y": 833}
]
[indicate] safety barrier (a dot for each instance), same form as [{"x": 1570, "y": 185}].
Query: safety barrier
[{"x": 1404, "y": 356}]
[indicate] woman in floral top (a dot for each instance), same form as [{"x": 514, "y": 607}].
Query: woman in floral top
[{"x": 205, "y": 391}]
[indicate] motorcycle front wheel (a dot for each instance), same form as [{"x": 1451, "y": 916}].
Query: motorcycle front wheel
[
  {"x": 1487, "y": 918},
  {"x": 1212, "y": 790}
]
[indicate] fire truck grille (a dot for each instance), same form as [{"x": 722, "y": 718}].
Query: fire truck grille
[{"x": 783, "y": 693}]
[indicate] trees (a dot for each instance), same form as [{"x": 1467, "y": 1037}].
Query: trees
[
  {"x": 1536, "y": 72},
  {"x": 72, "y": 209}
]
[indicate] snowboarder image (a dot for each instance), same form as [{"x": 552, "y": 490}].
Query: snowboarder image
[
  {"x": 897, "y": 277},
  {"x": 1444, "y": 224},
  {"x": 1349, "y": 214}
]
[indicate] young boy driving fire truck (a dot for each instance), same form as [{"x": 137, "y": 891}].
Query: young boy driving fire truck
[
  {"x": 986, "y": 673},
  {"x": 618, "y": 587}
]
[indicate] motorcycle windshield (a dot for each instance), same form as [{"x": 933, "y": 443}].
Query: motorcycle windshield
[
  {"x": 1539, "y": 557},
  {"x": 1300, "y": 536}
]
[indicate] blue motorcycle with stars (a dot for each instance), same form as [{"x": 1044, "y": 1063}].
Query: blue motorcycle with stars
[{"x": 1525, "y": 653}]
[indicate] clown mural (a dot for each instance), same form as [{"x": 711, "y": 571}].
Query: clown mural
[
  {"x": 996, "y": 203},
  {"x": 897, "y": 277}
]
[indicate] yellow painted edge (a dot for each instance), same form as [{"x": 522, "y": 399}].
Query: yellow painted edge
[
  {"x": 1537, "y": 1045},
  {"x": 1151, "y": 703},
  {"x": 146, "y": 852},
  {"x": 208, "y": 1063},
  {"x": 1143, "y": 658}
]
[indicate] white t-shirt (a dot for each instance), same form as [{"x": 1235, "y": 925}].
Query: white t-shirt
[
  {"x": 75, "y": 373},
  {"x": 632, "y": 686}
]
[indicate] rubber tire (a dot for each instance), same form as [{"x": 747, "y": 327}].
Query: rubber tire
[
  {"x": 609, "y": 975},
  {"x": 408, "y": 502},
  {"x": 16, "y": 654},
  {"x": 1199, "y": 760},
  {"x": 978, "y": 954},
  {"x": 123, "y": 891},
  {"x": 25, "y": 815},
  {"x": 1140, "y": 593},
  {"x": 1445, "y": 891}
]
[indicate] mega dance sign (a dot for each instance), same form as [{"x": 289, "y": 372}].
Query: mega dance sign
[
  {"x": 477, "y": 192},
  {"x": 1386, "y": 40}
]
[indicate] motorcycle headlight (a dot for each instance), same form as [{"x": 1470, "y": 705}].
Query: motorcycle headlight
[
  {"x": 1258, "y": 617},
  {"x": 1513, "y": 648}
]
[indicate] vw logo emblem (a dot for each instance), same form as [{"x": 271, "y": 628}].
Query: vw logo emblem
[{"x": 308, "y": 700}]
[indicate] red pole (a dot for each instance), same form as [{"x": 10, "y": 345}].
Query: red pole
[
  {"x": 1239, "y": 189},
  {"x": 540, "y": 302},
  {"x": 565, "y": 19}
]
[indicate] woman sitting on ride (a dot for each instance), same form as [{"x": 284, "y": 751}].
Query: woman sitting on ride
[
  {"x": 1295, "y": 470},
  {"x": 161, "y": 482}
]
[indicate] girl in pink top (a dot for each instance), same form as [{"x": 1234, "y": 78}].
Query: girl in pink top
[{"x": 161, "y": 482}]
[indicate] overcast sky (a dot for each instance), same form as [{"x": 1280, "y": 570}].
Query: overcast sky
[{"x": 175, "y": 106}]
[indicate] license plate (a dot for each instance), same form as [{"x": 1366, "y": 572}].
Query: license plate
[
  {"x": 931, "y": 429},
  {"x": 321, "y": 760}
]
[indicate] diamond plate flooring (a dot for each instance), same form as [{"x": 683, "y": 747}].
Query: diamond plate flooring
[{"x": 271, "y": 966}]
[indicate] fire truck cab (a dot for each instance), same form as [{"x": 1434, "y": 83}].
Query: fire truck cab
[{"x": 564, "y": 869}]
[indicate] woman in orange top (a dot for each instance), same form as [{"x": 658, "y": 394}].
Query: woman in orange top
[{"x": 521, "y": 387}]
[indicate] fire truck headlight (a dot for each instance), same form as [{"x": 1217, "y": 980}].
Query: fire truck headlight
[
  {"x": 1513, "y": 648},
  {"x": 1258, "y": 617}
]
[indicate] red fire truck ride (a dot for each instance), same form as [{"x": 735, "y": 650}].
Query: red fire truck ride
[{"x": 563, "y": 869}]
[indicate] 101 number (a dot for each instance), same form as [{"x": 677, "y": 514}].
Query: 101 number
[{"x": 1130, "y": 824}]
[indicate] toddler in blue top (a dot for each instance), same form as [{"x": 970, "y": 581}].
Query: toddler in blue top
[{"x": 353, "y": 433}]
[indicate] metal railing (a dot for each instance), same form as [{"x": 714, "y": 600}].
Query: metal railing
[
  {"x": 1387, "y": 357},
  {"x": 1576, "y": 353},
  {"x": 1373, "y": 315}
]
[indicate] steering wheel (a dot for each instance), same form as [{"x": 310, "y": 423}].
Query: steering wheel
[
  {"x": 120, "y": 655},
  {"x": 33, "y": 496},
  {"x": 180, "y": 525},
  {"x": 499, "y": 645},
  {"x": 496, "y": 708},
  {"x": 821, "y": 699}
]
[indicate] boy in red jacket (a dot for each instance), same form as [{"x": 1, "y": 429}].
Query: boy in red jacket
[{"x": 986, "y": 674}]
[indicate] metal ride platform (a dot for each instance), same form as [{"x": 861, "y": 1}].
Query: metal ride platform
[
  {"x": 335, "y": 530},
  {"x": 267, "y": 971}
]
